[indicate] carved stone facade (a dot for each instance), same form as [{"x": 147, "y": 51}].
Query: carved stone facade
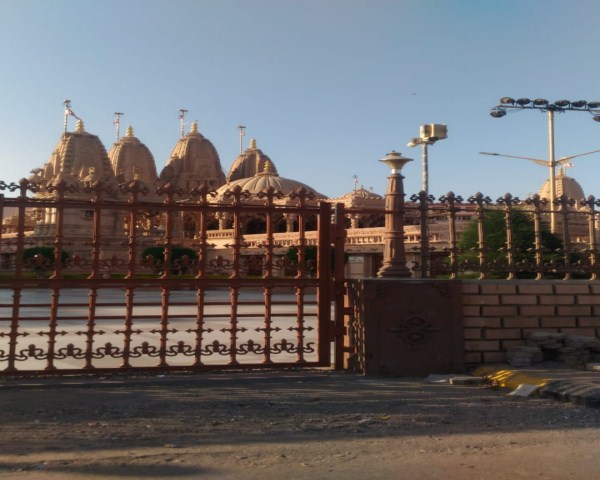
[{"x": 80, "y": 160}]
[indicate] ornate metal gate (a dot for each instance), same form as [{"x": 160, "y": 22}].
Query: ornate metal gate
[{"x": 97, "y": 298}]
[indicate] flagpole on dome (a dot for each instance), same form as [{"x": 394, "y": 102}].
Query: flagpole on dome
[
  {"x": 242, "y": 133},
  {"x": 68, "y": 112},
  {"x": 117, "y": 124},
  {"x": 67, "y": 104},
  {"x": 182, "y": 113}
]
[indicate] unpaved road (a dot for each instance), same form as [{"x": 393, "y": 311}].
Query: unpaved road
[{"x": 289, "y": 426}]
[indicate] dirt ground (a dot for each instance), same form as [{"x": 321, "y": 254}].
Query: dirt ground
[{"x": 293, "y": 425}]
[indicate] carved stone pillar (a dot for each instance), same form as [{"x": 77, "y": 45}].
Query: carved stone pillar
[
  {"x": 222, "y": 218},
  {"x": 289, "y": 221},
  {"x": 394, "y": 254}
]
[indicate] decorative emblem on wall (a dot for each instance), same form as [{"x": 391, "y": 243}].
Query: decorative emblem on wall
[
  {"x": 443, "y": 289},
  {"x": 381, "y": 290},
  {"x": 414, "y": 330}
]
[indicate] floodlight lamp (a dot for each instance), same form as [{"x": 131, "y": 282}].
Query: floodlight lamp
[
  {"x": 507, "y": 101},
  {"x": 414, "y": 142},
  {"x": 579, "y": 103},
  {"x": 540, "y": 102},
  {"x": 562, "y": 103},
  {"x": 593, "y": 105},
  {"x": 596, "y": 118},
  {"x": 523, "y": 101},
  {"x": 498, "y": 113}
]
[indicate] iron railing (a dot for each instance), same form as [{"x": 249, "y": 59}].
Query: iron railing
[
  {"x": 99, "y": 303},
  {"x": 521, "y": 246}
]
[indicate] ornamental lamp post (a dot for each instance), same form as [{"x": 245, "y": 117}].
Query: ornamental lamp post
[
  {"x": 394, "y": 254},
  {"x": 561, "y": 106}
]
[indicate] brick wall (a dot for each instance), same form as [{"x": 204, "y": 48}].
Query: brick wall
[{"x": 499, "y": 314}]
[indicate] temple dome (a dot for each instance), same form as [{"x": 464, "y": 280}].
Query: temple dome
[
  {"x": 249, "y": 163},
  {"x": 78, "y": 157},
  {"x": 361, "y": 197},
  {"x": 564, "y": 186},
  {"x": 361, "y": 194},
  {"x": 193, "y": 160},
  {"x": 131, "y": 159},
  {"x": 266, "y": 179}
]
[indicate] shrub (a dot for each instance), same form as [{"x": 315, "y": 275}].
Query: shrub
[
  {"x": 178, "y": 264},
  {"x": 47, "y": 253}
]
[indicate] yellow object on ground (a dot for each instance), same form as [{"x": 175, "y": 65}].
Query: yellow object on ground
[{"x": 508, "y": 378}]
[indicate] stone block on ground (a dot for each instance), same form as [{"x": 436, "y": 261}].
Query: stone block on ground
[
  {"x": 549, "y": 340},
  {"x": 524, "y": 356},
  {"x": 466, "y": 380},
  {"x": 593, "y": 367},
  {"x": 582, "y": 341}
]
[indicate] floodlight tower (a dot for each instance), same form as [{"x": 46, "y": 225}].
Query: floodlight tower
[
  {"x": 541, "y": 104},
  {"x": 428, "y": 135}
]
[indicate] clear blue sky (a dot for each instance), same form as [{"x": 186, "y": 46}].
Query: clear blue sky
[{"x": 327, "y": 87}]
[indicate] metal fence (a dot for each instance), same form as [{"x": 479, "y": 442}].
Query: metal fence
[
  {"x": 507, "y": 238},
  {"x": 101, "y": 302},
  {"x": 141, "y": 280}
]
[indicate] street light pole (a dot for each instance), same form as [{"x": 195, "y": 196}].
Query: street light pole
[
  {"x": 552, "y": 164},
  {"x": 543, "y": 105},
  {"x": 425, "y": 174}
]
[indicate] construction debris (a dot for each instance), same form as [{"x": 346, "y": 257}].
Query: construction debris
[{"x": 570, "y": 349}]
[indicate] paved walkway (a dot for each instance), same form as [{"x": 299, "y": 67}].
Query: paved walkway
[
  {"x": 552, "y": 380},
  {"x": 294, "y": 424}
]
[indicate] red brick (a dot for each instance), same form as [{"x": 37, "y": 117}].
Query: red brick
[
  {"x": 482, "y": 345},
  {"x": 535, "y": 288},
  {"x": 558, "y": 322},
  {"x": 472, "y": 333},
  {"x": 502, "y": 333},
  {"x": 471, "y": 310},
  {"x": 519, "y": 300},
  {"x": 502, "y": 288},
  {"x": 480, "y": 299},
  {"x": 526, "y": 331},
  {"x": 482, "y": 322},
  {"x": 520, "y": 322},
  {"x": 595, "y": 288},
  {"x": 536, "y": 310},
  {"x": 581, "y": 288},
  {"x": 588, "y": 299},
  {"x": 506, "y": 344},
  {"x": 500, "y": 311},
  {"x": 575, "y": 310},
  {"x": 470, "y": 287},
  {"x": 588, "y": 322},
  {"x": 557, "y": 299},
  {"x": 473, "y": 357},
  {"x": 578, "y": 331},
  {"x": 494, "y": 356}
]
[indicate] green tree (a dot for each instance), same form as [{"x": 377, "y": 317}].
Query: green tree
[{"x": 523, "y": 238}]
